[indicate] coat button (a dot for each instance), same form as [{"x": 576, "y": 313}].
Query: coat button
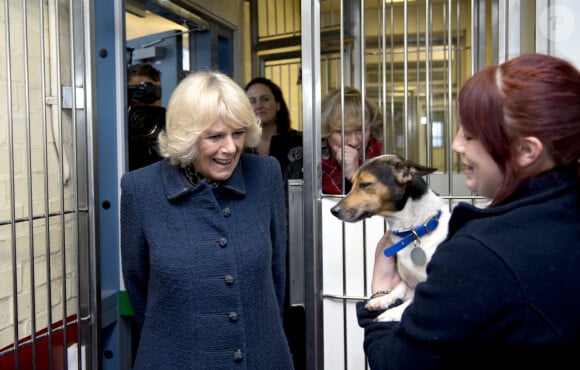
[
  {"x": 238, "y": 355},
  {"x": 233, "y": 316},
  {"x": 223, "y": 242},
  {"x": 229, "y": 280},
  {"x": 227, "y": 212}
]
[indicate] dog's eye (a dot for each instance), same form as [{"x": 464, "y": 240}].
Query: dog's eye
[{"x": 364, "y": 185}]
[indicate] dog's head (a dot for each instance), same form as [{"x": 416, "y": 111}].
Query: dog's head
[{"x": 382, "y": 186}]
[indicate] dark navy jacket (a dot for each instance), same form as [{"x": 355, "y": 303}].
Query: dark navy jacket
[
  {"x": 503, "y": 290},
  {"x": 205, "y": 267}
]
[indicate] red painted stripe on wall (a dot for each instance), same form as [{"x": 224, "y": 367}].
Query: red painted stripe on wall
[{"x": 43, "y": 361}]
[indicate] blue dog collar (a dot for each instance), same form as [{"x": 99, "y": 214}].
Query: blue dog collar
[{"x": 410, "y": 236}]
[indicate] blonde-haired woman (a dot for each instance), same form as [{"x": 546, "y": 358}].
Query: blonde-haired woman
[
  {"x": 203, "y": 238},
  {"x": 358, "y": 138}
]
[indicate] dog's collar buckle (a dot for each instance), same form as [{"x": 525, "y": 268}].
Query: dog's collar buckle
[
  {"x": 432, "y": 223},
  {"x": 413, "y": 235}
]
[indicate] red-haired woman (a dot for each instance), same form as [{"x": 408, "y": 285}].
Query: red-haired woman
[{"x": 503, "y": 291}]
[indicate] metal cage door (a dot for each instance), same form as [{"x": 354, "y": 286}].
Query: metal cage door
[{"x": 48, "y": 292}]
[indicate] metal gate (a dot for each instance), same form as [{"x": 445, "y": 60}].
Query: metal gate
[
  {"x": 48, "y": 295},
  {"x": 410, "y": 58}
]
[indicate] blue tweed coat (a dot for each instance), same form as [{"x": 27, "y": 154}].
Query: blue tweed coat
[{"x": 205, "y": 267}]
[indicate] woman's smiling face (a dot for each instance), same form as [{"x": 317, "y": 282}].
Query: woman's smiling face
[
  {"x": 219, "y": 150},
  {"x": 483, "y": 176},
  {"x": 263, "y": 102}
]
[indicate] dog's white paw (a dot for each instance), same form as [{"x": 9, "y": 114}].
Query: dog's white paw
[
  {"x": 392, "y": 314},
  {"x": 382, "y": 302}
]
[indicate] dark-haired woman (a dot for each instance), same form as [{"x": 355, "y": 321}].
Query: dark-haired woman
[{"x": 279, "y": 140}]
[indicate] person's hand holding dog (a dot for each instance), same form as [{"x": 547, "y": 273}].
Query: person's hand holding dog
[
  {"x": 385, "y": 274},
  {"x": 385, "y": 279}
]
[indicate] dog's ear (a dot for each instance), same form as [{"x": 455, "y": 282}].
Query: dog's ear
[{"x": 406, "y": 169}]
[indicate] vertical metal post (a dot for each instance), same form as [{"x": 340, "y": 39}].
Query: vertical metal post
[
  {"x": 111, "y": 136},
  {"x": 310, "y": 12}
]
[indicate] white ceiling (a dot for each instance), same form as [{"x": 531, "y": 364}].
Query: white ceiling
[{"x": 150, "y": 24}]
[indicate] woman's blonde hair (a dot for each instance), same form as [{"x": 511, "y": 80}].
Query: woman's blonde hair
[
  {"x": 331, "y": 112},
  {"x": 200, "y": 100}
]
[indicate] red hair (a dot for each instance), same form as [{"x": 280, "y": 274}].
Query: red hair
[{"x": 531, "y": 95}]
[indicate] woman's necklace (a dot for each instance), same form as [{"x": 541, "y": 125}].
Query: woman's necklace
[{"x": 195, "y": 178}]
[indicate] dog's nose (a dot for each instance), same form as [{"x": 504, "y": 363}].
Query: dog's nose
[{"x": 335, "y": 210}]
